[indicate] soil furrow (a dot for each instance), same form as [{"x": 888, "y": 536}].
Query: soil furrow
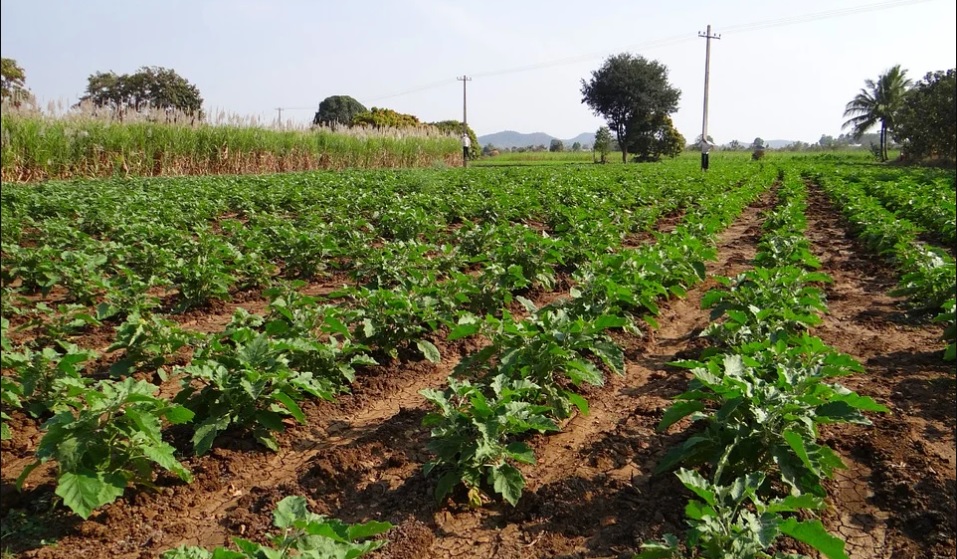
[{"x": 897, "y": 498}]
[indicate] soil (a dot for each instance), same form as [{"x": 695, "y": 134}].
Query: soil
[{"x": 592, "y": 492}]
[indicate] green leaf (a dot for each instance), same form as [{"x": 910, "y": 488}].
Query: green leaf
[
  {"x": 520, "y": 452},
  {"x": 178, "y": 415},
  {"x": 85, "y": 491},
  {"x": 289, "y": 510},
  {"x": 697, "y": 484},
  {"x": 163, "y": 454},
  {"x": 463, "y": 331},
  {"x": 446, "y": 483},
  {"x": 813, "y": 533},
  {"x": 578, "y": 401},
  {"x": 429, "y": 350},
  {"x": 270, "y": 420},
  {"x": 606, "y": 321},
  {"x": 796, "y": 442},
  {"x": 367, "y": 530},
  {"x": 678, "y": 411},
  {"x": 291, "y": 405},
  {"x": 586, "y": 371},
  {"x": 508, "y": 482}
]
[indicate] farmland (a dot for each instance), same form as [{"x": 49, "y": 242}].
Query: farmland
[{"x": 538, "y": 361}]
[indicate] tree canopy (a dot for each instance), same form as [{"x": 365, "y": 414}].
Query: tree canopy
[
  {"x": 13, "y": 82},
  {"x": 926, "y": 124},
  {"x": 338, "y": 109},
  {"x": 633, "y": 95},
  {"x": 385, "y": 118},
  {"x": 656, "y": 139},
  {"x": 878, "y": 103},
  {"x": 149, "y": 88}
]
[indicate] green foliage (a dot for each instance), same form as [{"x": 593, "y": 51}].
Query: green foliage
[
  {"x": 110, "y": 437},
  {"x": 50, "y": 377},
  {"x": 470, "y": 433},
  {"x": 556, "y": 145},
  {"x": 13, "y": 82},
  {"x": 947, "y": 317},
  {"x": 147, "y": 342},
  {"x": 767, "y": 401},
  {"x": 656, "y": 138},
  {"x": 148, "y": 88},
  {"x": 878, "y": 103},
  {"x": 247, "y": 381},
  {"x": 338, "y": 109},
  {"x": 765, "y": 303},
  {"x": 634, "y": 96},
  {"x": 926, "y": 124},
  {"x": 385, "y": 118},
  {"x": 733, "y": 522},
  {"x": 603, "y": 142},
  {"x": 302, "y": 534}
]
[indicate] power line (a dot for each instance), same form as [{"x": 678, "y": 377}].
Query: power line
[{"x": 668, "y": 41}]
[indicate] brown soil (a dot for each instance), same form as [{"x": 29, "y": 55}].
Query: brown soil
[
  {"x": 897, "y": 497},
  {"x": 592, "y": 493}
]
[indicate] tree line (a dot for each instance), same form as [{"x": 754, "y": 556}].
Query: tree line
[{"x": 921, "y": 116}]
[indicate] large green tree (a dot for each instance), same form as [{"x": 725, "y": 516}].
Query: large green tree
[
  {"x": 338, "y": 109},
  {"x": 927, "y": 122},
  {"x": 632, "y": 94},
  {"x": 149, "y": 88},
  {"x": 878, "y": 103},
  {"x": 13, "y": 82}
]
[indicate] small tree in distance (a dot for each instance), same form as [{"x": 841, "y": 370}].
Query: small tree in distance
[
  {"x": 149, "y": 88},
  {"x": 556, "y": 145},
  {"x": 602, "y": 143},
  {"x": 339, "y": 109}
]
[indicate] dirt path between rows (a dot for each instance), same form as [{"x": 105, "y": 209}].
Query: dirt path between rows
[{"x": 897, "y": 497}]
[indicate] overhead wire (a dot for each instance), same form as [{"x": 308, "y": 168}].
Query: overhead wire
[{"x": 669, "y": 41}]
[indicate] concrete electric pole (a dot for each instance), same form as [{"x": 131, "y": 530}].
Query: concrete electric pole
[
  {"x": 465, "y": 118},
  {"x": 705, "y": 145}
]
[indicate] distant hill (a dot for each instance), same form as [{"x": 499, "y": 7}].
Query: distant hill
[{"x": 513, "y": 139}]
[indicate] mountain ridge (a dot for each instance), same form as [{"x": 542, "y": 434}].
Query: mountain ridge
[{"x": 512, "y": 138}]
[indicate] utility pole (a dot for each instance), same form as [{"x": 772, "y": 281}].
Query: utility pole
[
  {"x": 465, "y": 117},
  {"x": 280, "y": 116},
  {"x": 705, "y": 145}
]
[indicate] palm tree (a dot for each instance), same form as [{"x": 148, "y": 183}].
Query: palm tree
[{"x": 877, "y": 102}]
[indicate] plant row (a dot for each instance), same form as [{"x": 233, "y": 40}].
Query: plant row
[
  {"x": 757, "y": 399},
  {"x": 250, "y": 378},
  {"x": 928, "y": 274},
  {"x": 528, "y": 378}
]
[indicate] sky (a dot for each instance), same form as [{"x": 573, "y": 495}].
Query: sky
[{"x": 781, "y": 70}]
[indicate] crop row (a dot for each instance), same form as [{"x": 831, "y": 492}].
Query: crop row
[
  {"x": 526, "y": 380},
  {"x": 106, "y": 434},
  {"x": 760, "y": 395},
  {"x": 928, "y": 274}
]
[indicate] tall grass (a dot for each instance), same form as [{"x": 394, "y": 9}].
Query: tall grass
[{"x": 38, "y": 145}]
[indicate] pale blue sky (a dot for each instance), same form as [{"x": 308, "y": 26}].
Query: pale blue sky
[{"x": 788, "y": 79}]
